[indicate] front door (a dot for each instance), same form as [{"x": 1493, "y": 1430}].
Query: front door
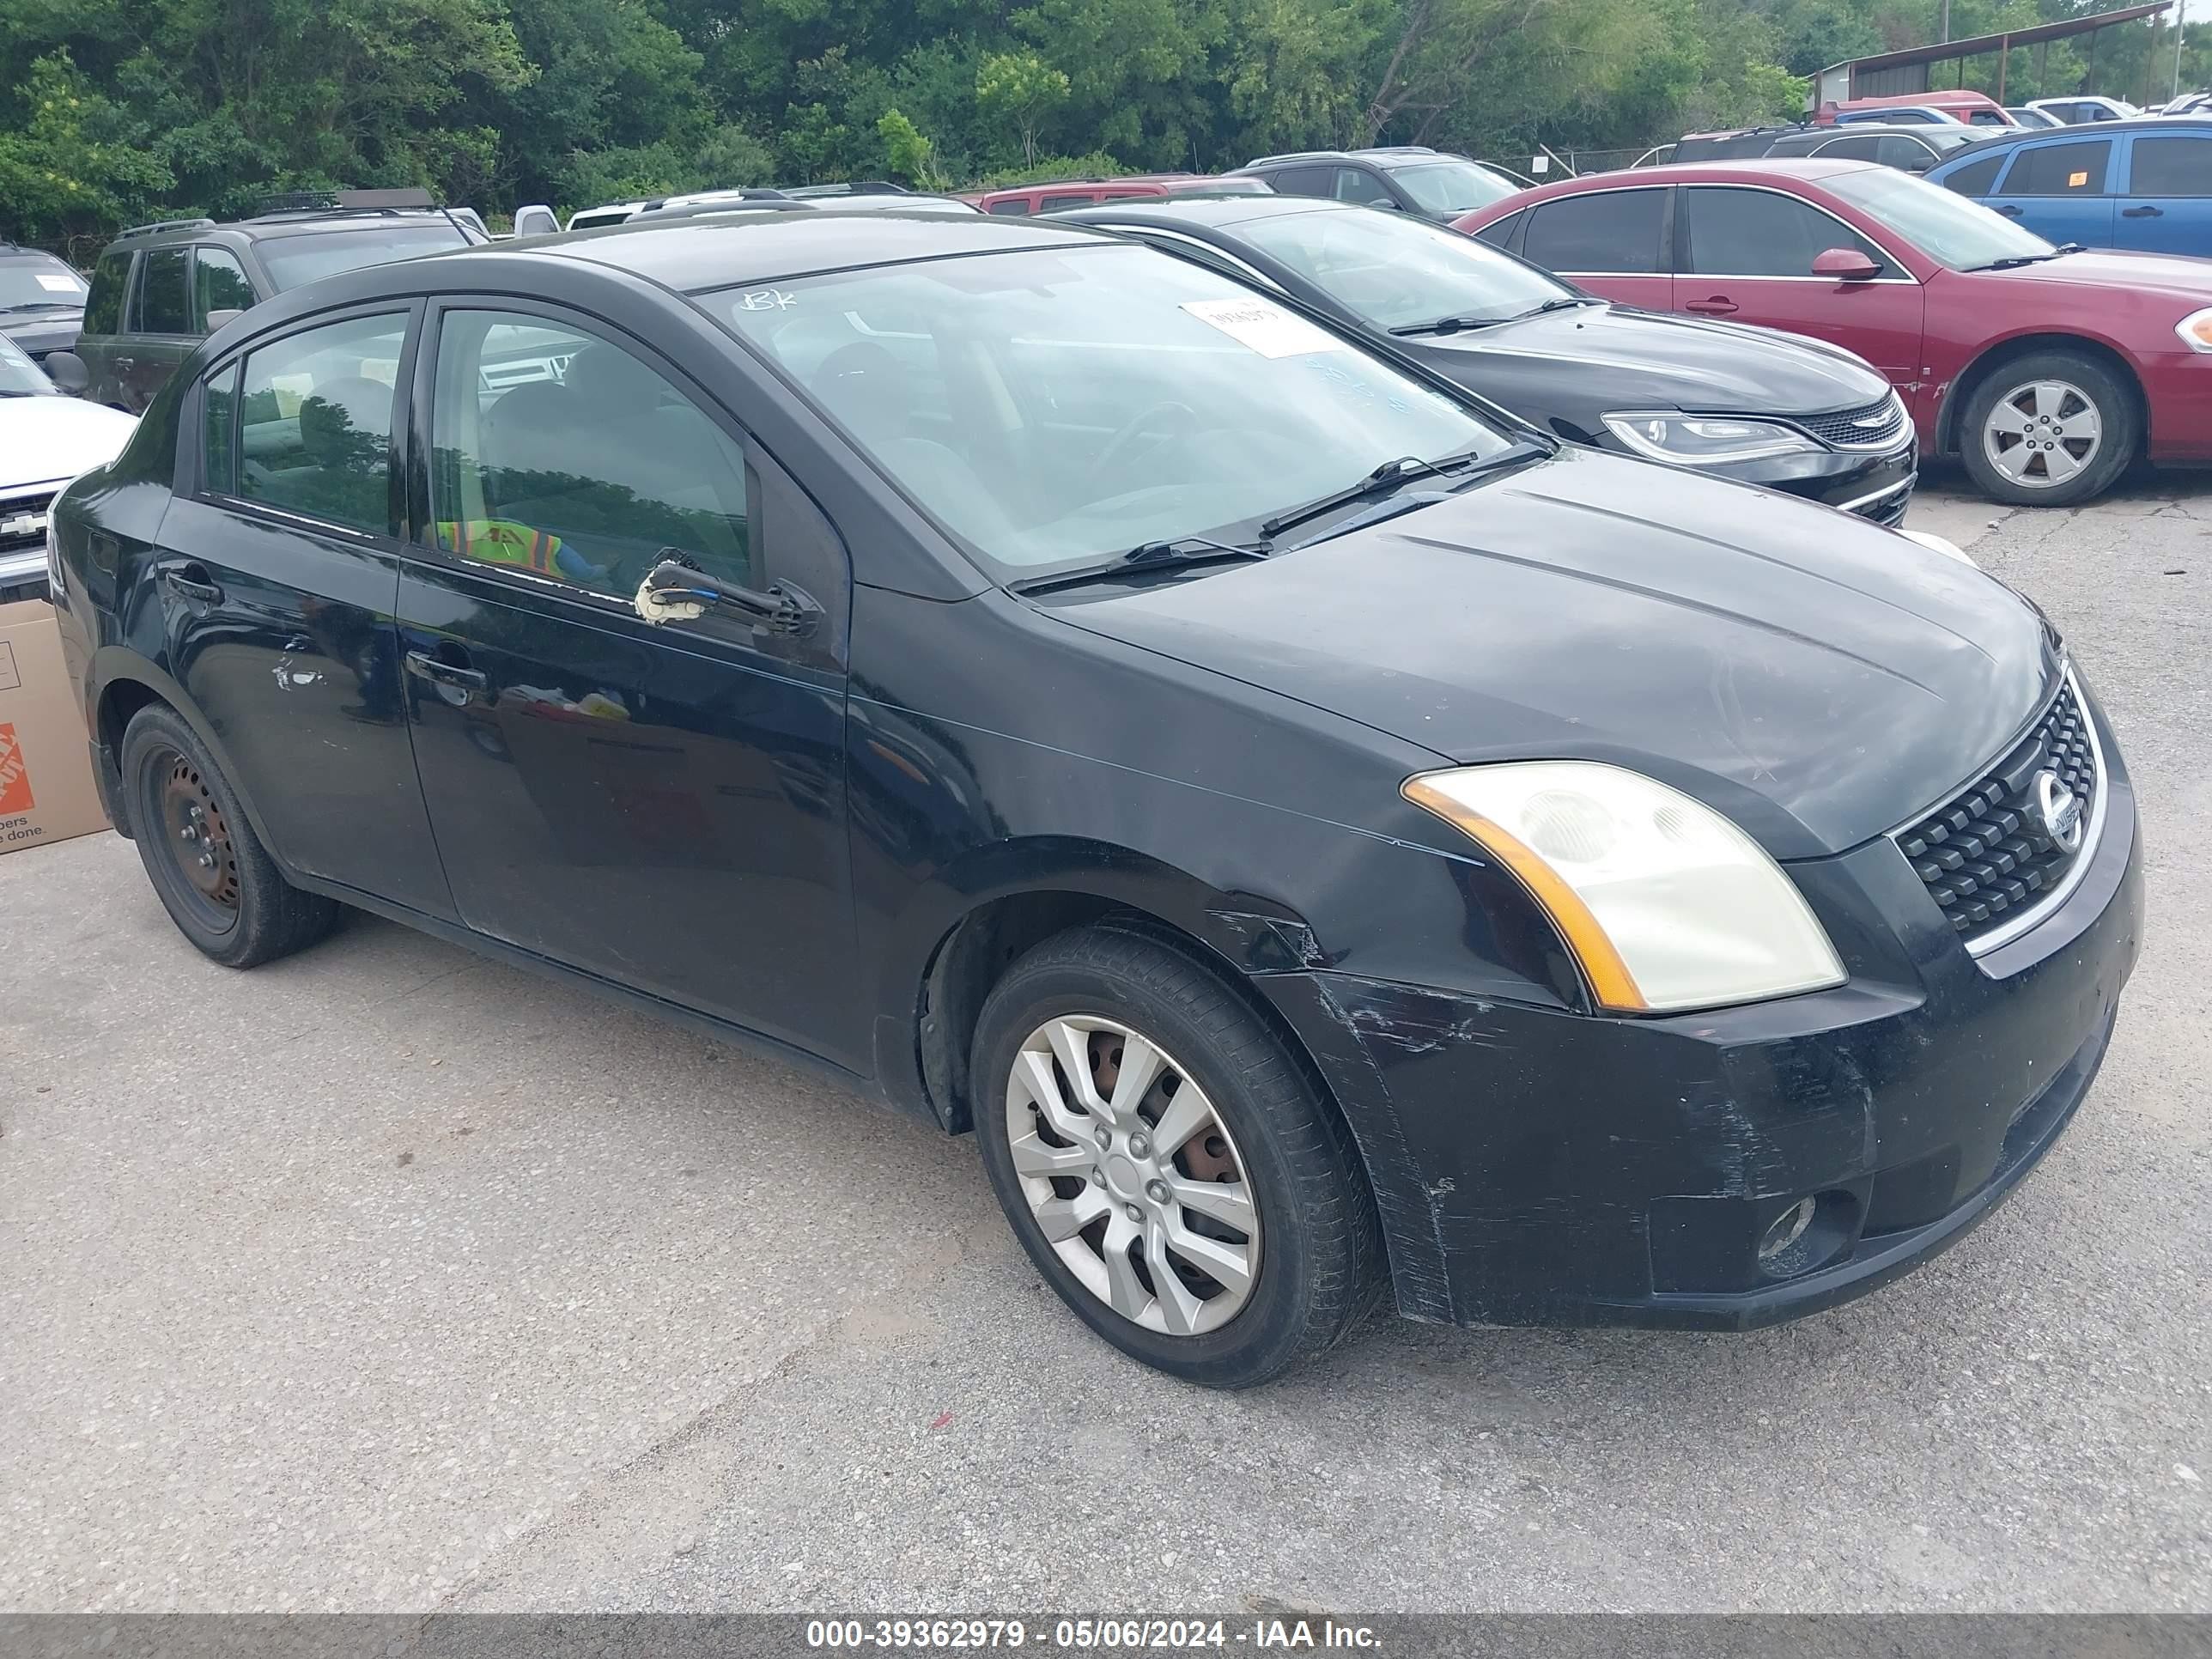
[
  {"x": 2166, "y": 207},
  {"x": 276, "y": 579},
  {"x": 1747, "y": 255},
  {"x": 2061, "y": 192},
  {"x": 662, "y": 805}
]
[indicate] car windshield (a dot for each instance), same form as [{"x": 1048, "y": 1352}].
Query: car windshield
[
  {"x": 1943, "y": 224},
  {"x": 19, "y": 376},
  {"x": 1052, "y": 407},
  {"x": 1451, "y": 186},
  {"x": 39, "y": 285},
  {"x": 294, "y": 261},
  {"x": 1393, "y": 271}
]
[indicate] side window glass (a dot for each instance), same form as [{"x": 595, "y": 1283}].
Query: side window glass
[
  {"x": 162, "y": 308},
  {"x": 315, "y": 422},
  {"x": 1500, "y": 235},
  {"x": 1060, "y": 203},
  {"x": 219, "y": 425},
  {"x": 1302, "y": 181},
  {"x": 1353, "y": 185},
  {"x": 1861, "y": 147},
  {"x": 1016, "y": 205},
  {"x": 103, "y": 311},
  {"x": 559, "y": 452},
  {"x": 1976, "y": 178},
  {"x": 218, "y": 284},
  {"x": 1611, "y": 230},
  {"x": 2075, "y": 169},
  {"x": 2171, "y": 167},
  {"x": 1759, "y": 232},
  {"x": 1894, "y": 149}
]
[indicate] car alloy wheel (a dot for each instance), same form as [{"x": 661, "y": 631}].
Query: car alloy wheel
[
  {"x": 1131, "y": 1175},
  {"x": 2043, "y": 434}
]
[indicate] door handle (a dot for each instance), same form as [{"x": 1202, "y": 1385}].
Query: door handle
[
  {"x": 439, "y": 671},
  {"x": 2142, "y": 213},
  {"x": 1718, "y": 306},
  {"x": 2010, "y": 210},
  {"x": 190, "y": 581}
]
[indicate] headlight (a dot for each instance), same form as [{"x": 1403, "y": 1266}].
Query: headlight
[
  {"x": 1665, "y": 903},
  {"x": 2195, "y": 330},
  {"x": 1706, "y": 440}
]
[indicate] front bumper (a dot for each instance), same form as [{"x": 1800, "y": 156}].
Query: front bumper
[
  {"x": 1874, "y": 486},
  {"x": 1538, "y": 1167}
]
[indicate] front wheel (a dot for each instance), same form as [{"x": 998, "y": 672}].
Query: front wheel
[
  {"x": 2052, "y": 430},
  {"x": 1169, "y": 1167}
]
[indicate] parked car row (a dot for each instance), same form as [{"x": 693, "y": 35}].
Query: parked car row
[
  {"x": 1326, "y": 835},
  {"x": 2046, "y": 369}
]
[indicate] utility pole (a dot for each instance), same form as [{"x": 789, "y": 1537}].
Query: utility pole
[
  {"x": 1946, "y": 21},
  {"x": 2180, "y": 33}
]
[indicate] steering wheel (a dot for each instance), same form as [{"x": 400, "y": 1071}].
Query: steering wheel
[{"x": 1124, "y": 443}]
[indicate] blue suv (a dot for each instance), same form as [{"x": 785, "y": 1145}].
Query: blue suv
[{"x": 2144, "y": 187}]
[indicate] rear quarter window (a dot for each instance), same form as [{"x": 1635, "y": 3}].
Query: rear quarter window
[
  {"x": 1502, "y": 233},
  {"x": 103, "y": 311}
]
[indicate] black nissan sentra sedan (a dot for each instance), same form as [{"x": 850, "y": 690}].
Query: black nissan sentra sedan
[
  {"x": 1319, "y": 834},
  {"x": 1749, "y": 403}
]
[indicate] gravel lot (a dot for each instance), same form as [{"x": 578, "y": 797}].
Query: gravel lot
[{"x": 385, "y": 1279}]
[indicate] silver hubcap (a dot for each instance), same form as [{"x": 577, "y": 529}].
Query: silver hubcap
[
  {"x": 1131, "y": 1175},
  {"x": 2043, "y": 434}
]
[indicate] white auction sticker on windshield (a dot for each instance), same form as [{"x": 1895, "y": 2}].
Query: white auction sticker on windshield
[
  {"x": 1267, "y": 329},
  {"x": 58, "y": 285}
]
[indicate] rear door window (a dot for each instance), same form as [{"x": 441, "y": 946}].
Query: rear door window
[
  {"x": 1898, "y": 149},
  {"x": 2178, "y": 165},
  {"x": 1860, "y": 147},
  {"x": 219, "y": 427},
  {"x": 1303, "y": 181},
  {"x": 1607, "y": 231},
  {"x": 1013, "y": 204},
  {"x": 314, "y": 432},
  {"x": 2075, "y": 169},
  {"x": 162, "y": 308},
  {"x": 1060, "y": 203}
]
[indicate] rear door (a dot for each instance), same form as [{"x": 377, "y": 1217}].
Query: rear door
[
  {"x": 104, "y": 311},
  {"x": 2166, "y": 205},
  {"x": 661, "y": 806},
  {"x": 1746, "y": 254},
  {"x": 1613, "y": 242},
  {"x": 2061, "y": 190},
  {"x": 161, "y": 326},
  {"x": 277, "y": 573}
]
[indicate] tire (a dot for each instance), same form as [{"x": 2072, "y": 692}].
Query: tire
[
  {"x": 218, "y": 883},
  {"x": 1109, "y": 993},
  {"x": 2013, "y": 407}
]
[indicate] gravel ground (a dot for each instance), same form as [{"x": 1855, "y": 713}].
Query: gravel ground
[{"x": 385, "y": 1279}]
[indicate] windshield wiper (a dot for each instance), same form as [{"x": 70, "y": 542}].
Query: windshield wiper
[
  {"x": 2013, "y": 262},
  {"x": 45, "y": 305},
  {"x": 1152, "y": 555},
  {"x": 1381, "y": 481},
  {"x": 1449, "y": 326}
]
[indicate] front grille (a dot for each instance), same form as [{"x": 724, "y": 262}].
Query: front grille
[
  {"x": 1986, "y": 853},
  {"x": 23, "y": 520},
  {"x": 1876, "y": 426}
]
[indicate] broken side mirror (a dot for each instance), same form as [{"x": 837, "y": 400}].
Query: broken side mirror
[{"x": 677, "y": 590}]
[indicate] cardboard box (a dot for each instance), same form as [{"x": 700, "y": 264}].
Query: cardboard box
[{"x": 46, "y": 788}]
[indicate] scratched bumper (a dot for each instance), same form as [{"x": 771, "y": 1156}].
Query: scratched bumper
[{"x": 1535, "y": 1166}]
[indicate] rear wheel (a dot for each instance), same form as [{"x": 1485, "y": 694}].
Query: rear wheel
[
  {"x": 1169, "y": 1167},
  {"x": 2050, "y": 429},
  {"x": 209, "y": 870}
]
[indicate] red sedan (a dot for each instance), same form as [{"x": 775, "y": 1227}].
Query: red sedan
[{"x": 2044, "y": 369}]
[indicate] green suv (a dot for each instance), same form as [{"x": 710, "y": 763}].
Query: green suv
[{"x": 159, "y": 289}]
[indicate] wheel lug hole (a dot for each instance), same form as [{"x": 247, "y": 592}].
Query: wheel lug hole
[
  {"x": 1139, "y": 1146},
  {"x": 1135, "y": 1213},
  {"x": 1105, "y": 1138},
  {"x": 1156, "y": 1191},
  {"x": 1098, "y": 1176}
]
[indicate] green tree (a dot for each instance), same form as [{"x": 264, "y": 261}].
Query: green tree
[{"x": 1025, "y": 89}]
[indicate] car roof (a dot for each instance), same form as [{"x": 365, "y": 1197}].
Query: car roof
[
  {"x": 691, "y": 255},
  {"x": 1809, "y": 169},
  {"x": 1170, "y": 212}
]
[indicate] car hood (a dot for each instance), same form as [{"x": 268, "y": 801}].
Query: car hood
[
  {"x": 2172, "y": 274},
  {"x": 41, "y": 331},
  {"x": 1601, "y": 358},
  {"x": 48, "y": 438},
  {"x": 1817, "y": 678}
]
